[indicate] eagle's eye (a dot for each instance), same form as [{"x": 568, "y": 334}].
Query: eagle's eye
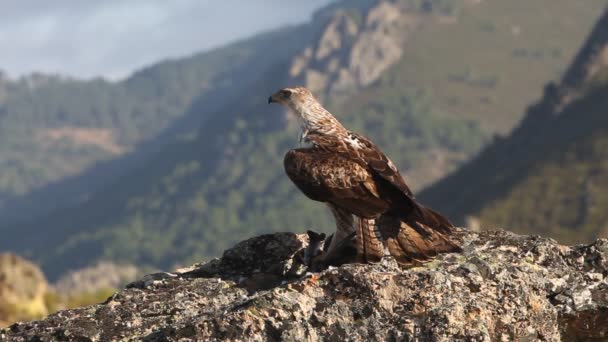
[{"x": 285, "y": 93}]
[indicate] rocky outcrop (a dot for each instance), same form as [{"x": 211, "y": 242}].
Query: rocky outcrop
[
  {"x": 22, "y": 289},
  {"x": 355, "y": 49},
  {"x": 501, "y": 287}
]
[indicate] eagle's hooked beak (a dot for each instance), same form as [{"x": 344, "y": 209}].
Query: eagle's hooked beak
[
  {"x": 280, "y": 97},
  {"x": 275, "y": 98}
]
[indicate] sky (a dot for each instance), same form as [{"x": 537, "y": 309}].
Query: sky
[{"x": 112, "y": 38}]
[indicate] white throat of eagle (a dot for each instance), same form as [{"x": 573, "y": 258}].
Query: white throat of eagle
[{"x": 312, "y": 116}]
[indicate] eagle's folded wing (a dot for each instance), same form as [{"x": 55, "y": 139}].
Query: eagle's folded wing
[
  {"x": 364, "y": 152},
  {"x": 384, "y": 168},
  {"x": 334, "y": 178},
  {"x": 347, "y": 187}
]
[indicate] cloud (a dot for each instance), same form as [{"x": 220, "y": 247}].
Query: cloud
[{"x": 114, "y": 37}]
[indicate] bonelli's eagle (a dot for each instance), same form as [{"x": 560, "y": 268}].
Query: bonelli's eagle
[{"x": 353, "y": 177}]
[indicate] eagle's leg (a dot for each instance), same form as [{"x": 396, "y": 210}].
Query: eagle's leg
[
  {"x": 339, "y": 248},
  {"x": 369, "y": 245},
  {"x": 344, "y": 229}
]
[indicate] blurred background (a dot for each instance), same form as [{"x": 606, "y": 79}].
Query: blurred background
[{"x": 135, "y": 135}]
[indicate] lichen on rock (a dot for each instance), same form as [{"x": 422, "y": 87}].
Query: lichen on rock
[{"x": 501, "y": 287}]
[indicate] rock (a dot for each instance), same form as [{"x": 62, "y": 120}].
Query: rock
[
  {"x": 354, "y": 49},
  {"x": 22, "y": 289},
  {"x": 501, "y": 287}
]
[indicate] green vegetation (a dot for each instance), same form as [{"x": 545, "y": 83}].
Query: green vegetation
[
  {"x": 56, "y": 302},
  {"x": 493, "y": 59},
  {"x": 562, "y": 196},
  {"x": 481, "y": 66},
  {"x": 53, "y": 127},
  {"x": 10, "y": 312},
  {"x": 549, "y": 177},
  {"x": 411, "y": 132},
  {"x": 52, "y": 302}
]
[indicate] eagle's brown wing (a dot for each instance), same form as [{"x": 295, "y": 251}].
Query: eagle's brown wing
[
  {"x": 389, "y": 182},
  {"x": 366, "y": 153},
  {"x": 333, "y": 178},
  {"x": 380, "y": 163},
  {"x": 346, "y": 186},
  {"x": 403, "y": 200},
  {"x": 412, "y": 232}
]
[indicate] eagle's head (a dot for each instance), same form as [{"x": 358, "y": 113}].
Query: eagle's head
[
  {"x": 296, "y": 98},
  {"x": 311, "y": 113}
]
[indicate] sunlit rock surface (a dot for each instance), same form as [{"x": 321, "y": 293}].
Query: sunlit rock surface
[{"x": 502, "y": 287}]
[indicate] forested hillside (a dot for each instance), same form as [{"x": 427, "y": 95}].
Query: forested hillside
[
  {"x": 550, "y": 176},
  {"x": 405, "y": 73},
  {"x": 54, "y": 129}
]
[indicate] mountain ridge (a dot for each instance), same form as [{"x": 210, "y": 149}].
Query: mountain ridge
[
  {"x": 545, "y": 175},
  {"x": 78, "y": 187}
]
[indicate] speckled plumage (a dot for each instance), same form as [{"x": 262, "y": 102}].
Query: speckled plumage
[{"x": 352, "y": 175}]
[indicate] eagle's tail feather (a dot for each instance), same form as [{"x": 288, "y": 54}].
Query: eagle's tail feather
[
  {"x": 369, "y": 246},
  {"x": 410, "y": 241},
  {"x": 430, "y": 218}
]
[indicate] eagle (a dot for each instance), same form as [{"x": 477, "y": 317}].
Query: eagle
[{"x": 363, "y": 189}]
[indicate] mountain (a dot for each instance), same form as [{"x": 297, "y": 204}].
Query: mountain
[
  {"x": 550, "y": 176},
  {"x": 62, "y": 139},
  {"x": 195, "y": 197},
  {"x": 478, "y": 63}
]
